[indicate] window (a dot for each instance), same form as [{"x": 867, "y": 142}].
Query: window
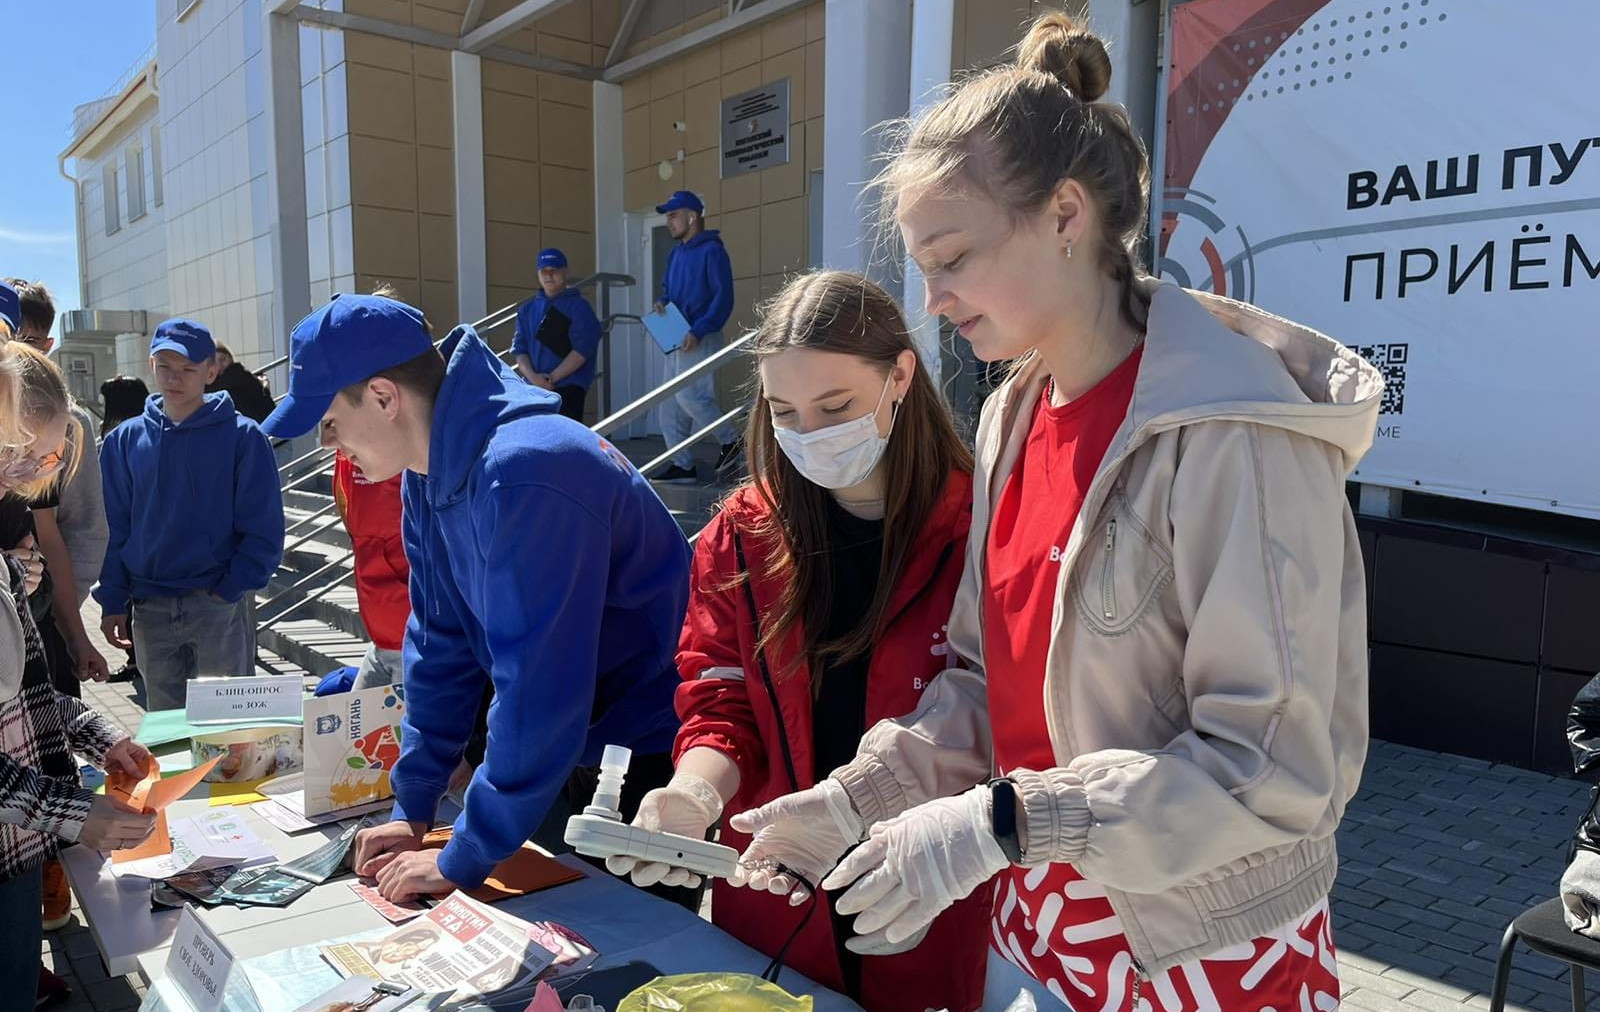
[
  {"x": 110, "y": 178},
  {"x": 156, "y": 195},
  {"x": 133, "y": 160}
]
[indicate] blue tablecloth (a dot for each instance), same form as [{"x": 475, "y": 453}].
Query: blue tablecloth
[{"x": 623, "y": 923}]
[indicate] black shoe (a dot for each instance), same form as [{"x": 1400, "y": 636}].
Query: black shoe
[
  {"x": 52, "y": 991},
  {"x": 728, "y": 457},
  {"x": 675, "y": 475},
  {"x": 126, "y": 673}
]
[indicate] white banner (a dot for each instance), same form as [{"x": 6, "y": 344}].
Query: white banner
[{"x": 1420, "y": 180}]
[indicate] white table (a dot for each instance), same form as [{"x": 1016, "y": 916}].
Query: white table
[{"x": 124, "y": 927}]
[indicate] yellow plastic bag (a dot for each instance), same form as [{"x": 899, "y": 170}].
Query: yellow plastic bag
[{"x": 712, "y": 992}]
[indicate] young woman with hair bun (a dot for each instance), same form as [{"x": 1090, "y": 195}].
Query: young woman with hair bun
[{"x": 1159, "y": 712}]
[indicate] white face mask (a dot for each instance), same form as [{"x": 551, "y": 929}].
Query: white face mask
[{"x": 838, "y": 456}]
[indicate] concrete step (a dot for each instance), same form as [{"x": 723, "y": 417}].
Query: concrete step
[{"x": 312, "y": 646}]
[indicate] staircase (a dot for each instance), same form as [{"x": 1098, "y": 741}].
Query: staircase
[{"x": 309, "y": 621}]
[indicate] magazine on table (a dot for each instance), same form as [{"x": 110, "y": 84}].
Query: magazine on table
[{"x": 461, "y": 946}]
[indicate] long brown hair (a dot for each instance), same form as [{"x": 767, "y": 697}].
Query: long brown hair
[
  {"x": 1015, "y": 132},
  {"x": 836, "y": 311}
]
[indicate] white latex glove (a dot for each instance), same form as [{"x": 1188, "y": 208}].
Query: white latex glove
[
  {"x": 914, "y": 866},
  {"x": 807, "y": 832},
  {"x": 688, "y": 806}
]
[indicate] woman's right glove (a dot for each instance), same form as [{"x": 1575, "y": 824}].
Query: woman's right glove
[{"x": 806, "y": 833}]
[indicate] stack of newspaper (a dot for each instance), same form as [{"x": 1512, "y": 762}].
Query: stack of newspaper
[{"x": 461, "y": 946}]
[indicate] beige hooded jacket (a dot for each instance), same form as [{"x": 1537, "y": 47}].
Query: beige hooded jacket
[{"x": 1206, "y": 685}]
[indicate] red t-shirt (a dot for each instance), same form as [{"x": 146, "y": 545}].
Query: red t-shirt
[{"x": 1029, "y": 529}]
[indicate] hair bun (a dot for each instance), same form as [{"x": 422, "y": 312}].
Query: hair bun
[{"x": 1063, "y": 48}]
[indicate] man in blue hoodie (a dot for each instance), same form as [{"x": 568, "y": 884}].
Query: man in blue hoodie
[
  {"x": 558, "y": 336},
  {"x": 699, "y": 281},
  {"x": 196, "y": 522},
  {"x": 538, "y": 556}
]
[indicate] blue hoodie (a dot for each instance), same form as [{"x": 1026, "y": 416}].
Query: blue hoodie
[
  {"x": 699, "y": 281},
  {"x": 191, "y": 506},
  {"x": 581, "y": 334},
  {"x": 540, "y": 556}
]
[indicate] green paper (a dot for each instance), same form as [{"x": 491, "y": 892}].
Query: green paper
[{"x": 162, "y": 726}]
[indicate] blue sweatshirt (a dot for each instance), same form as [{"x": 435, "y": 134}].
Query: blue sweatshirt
[
  {"x": 540, "y": 556},
  {"x": 699, "y": 281},
  {"x": 194, "y": 506},
  {"x": 572, "y": 326}
]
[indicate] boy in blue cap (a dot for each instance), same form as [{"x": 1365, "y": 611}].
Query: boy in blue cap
[
  {"x": 699, "y": 281},
  {"x": 558, "y": 336},
  {"x": 576, "y": 627},
  {"x": 196, "y": 520}
]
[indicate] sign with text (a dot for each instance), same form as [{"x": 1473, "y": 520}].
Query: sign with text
[
  {"x": 755, "y": 129},
  {"x": 214, "y": 700},
  {"x": 1353, "y": 167},
  {"x": 198, "y": 963}
]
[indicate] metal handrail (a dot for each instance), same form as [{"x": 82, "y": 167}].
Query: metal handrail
[
  {"x": 694, "y": 438},
  {"x": 639, "y": 408}
]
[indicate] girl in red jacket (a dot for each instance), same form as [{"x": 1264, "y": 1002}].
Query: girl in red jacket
[{"x": 818, "y": 599}]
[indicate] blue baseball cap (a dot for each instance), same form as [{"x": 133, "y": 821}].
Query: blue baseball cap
[
  {"x": 188, "y": 338},
  {"x": 10, "y": 307},
  {"x": 352, "y": 338},
  {"x": 681, "y": 200},
  {"x": 552, "y": 257}
]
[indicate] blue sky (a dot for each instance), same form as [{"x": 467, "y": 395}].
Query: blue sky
[{"x": 59, "y": 53}]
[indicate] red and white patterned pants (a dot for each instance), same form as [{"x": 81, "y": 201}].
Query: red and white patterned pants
[{"x": 1060, "y": 929}]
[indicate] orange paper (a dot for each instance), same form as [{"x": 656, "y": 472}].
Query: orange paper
[
  {"x": 130, "y": 791},
  {"x": 157, "y": 843},
  {"x": 164, "y": 792}
]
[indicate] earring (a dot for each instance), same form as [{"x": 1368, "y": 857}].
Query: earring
[{"x": 1069, "y": 249}]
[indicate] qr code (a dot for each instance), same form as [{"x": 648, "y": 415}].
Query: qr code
[{"x": 1390, "y": 361}]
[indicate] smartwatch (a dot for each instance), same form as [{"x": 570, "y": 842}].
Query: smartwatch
[{"x": 1003, "y": 817}]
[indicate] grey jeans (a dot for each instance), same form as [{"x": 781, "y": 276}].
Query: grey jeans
[
  {"x": 193, "y": 636},
  {"x": 695, "y": 406},
  {"x": 379, "y": 667}
]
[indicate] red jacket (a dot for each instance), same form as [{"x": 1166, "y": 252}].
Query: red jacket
[
  {"x": 731, "y": 709},
  {"x": 371, "y": 512}
]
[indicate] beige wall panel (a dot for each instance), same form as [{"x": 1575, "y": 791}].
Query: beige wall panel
[
  {"x": 816, "y": 55},
  {"x": 430, "y": 62},
  {"x": 572, "y": 21},
  {"x": 498, "y": 76},
  {"x": 793, "y": 66},
  {"x": 395, "y": 11},
  {"x": 666, "y": 79},
  {"x": 511, "y": 190},
  {"x": 438, "y": 247},
  {"x": 385, "y": 242},
  {"x": 737, "y": 82},
  {"x": 443, "y": 22},
  {"x": 741, "y": 192},
  {"x": 702, "y": 112},
  {"x": 816, "y": 22},
  {"x": 510, "y": 125},
  {"x": 512, "y": 250},
  {"x": 665, "y": 140},
  {"x": 435, "y": 115},
  {"x": 558, "y": 48},
  {"x": 741, "y": 50},
  {"x": 439, "y": 305},
  {"x": 636, "y": 137},
  {"x": 380, "y": 103},
  {"x": 567, "y": 198},
  {"x": 436, "y": 187},
  {"x": 641, "y": 189},
  {"x": 781, "y": 182},
  {"x": 704, "y": 64},
  {"x": 783, "y": 34},
  {"x": 700, "y": 175},
  {"x": 383, "y": 173},
  {"x": 813, "y": 144},
  {"x": 377, "y": 51},
  {"x": 566, "y": 135},
  {"x": 783, "y": 236},
  {"x": 407, "y": 290},
  {"x": 741, "y": 234},
  {"x": 636, "y": 91},
  {"x": 570, "y": 90}
]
